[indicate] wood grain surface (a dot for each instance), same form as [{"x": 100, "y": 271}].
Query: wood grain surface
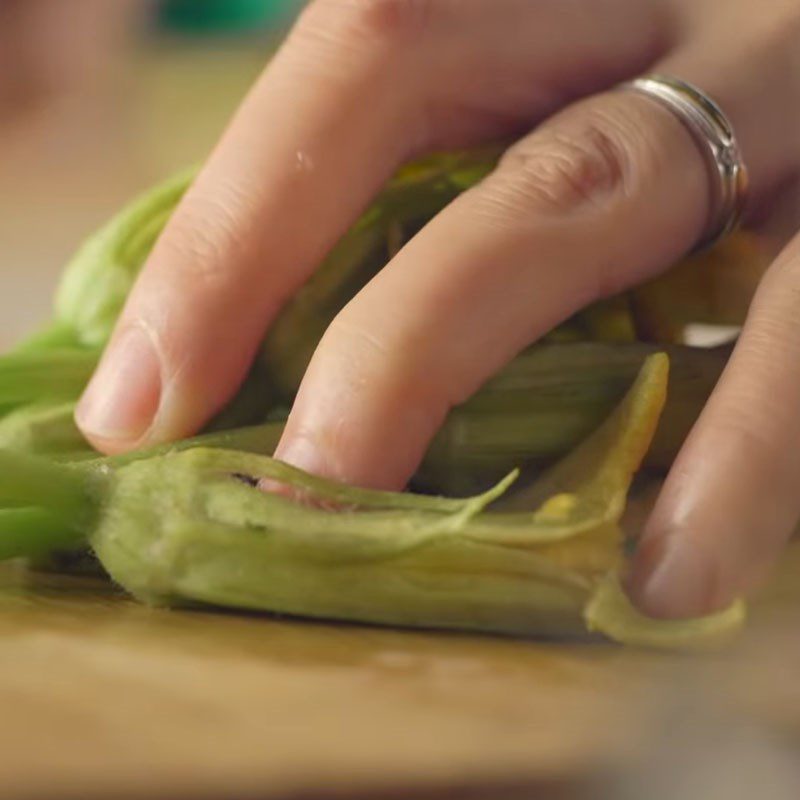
[{"x": 104, "y": 698}]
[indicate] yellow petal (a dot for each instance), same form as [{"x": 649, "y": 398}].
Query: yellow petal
[{"x": 611, "y": 613}]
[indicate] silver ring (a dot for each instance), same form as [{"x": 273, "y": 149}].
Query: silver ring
[{"x": 715, "y": 136}]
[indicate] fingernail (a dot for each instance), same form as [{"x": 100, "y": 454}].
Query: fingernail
[
  {"x": 302, "y": 454},
  {"x": 122, "y": 398},
  {"x": 305, "y": 455},
  {"x": 672, "y": 579}
]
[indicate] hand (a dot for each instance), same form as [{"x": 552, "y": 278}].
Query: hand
[{"x": 607, "y": 190}]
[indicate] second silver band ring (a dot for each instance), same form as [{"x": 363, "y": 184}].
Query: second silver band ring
[{"x": 715, "y": 136}]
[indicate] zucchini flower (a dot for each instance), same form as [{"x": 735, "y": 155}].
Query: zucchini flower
[{"x": 193, "y": 527}]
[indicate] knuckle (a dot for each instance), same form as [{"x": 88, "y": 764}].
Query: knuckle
[
  {"x": 340, "y": 42},
  {"x": 201, "y": 241},
  {"x": 376, "y": 353},
  {"x": 390, "y": 20},
  {"x": 356, "y": 338},
  {"x": 386, "y": 22},
  {"x": 566, "y": 171}
]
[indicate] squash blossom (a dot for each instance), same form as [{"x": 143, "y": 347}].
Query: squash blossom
[
  {"x": 187, "y": 523},
  {"x": 192, "y": 526}
]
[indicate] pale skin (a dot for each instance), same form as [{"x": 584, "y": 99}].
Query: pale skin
[{"x": 601, "y": 190}]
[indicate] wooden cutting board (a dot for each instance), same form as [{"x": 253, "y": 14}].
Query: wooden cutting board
[{"x": 104, "y": 698}]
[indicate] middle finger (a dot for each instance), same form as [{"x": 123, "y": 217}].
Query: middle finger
[{"x": 602, "y": 195}]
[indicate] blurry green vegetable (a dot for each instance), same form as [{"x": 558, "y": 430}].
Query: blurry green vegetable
[
  {"x": 43, "y": 428},
  {"x": 97, "y": 280},
  {"x": 44, "y": 374},
  {"x": 550, "y": 398}
]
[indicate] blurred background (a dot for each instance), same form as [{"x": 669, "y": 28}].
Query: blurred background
[{"x": 99, "y": 99}]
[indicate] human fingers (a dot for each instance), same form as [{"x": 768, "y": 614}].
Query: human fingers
[
  {"x": 357, "y": 88},
  {"x": 731, "y": 500},
  {"x": 570, "y": 215},
  {"x": 600, "y": 197}
]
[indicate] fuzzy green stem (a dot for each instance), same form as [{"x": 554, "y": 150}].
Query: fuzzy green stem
[
  {"x": 37, "y": 376},
  {"x": 257, "y": 439},
  {"x": 68, "y": 494},
  {"x": 56, "y": 335},
  {"x": 34, "y": 532}
]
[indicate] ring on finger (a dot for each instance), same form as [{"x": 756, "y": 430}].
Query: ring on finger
[{"x": 714, "y": 134}]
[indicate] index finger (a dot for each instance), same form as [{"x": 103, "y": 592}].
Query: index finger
[{"x": 298, "y": 162}]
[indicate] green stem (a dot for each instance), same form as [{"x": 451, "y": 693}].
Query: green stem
[
  {"x": 55, "y": 335},
  {"x": 37, "y": 376},
  {"x": 68, "y": 494},
  {"x": 64, "y": 496},
  {"x": 257, "y": 439},
  {"x": 34, "y": 532}
]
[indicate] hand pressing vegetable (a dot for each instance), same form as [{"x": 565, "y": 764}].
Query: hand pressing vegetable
[
  {"x": 192, "y": 527},
  {"x": 534, "y": 411},
  {"x": 56, "y": 363},
  {"x": 98, "y": 279},
  {"x": 520, "y": 417},
  {"x": 604, "y": 186}
]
